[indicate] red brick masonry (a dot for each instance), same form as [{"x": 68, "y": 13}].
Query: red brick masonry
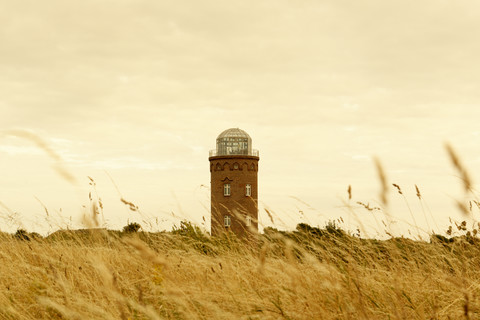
[{"x": 238, "y": 171}]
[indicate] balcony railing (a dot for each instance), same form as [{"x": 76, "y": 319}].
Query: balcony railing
[{"x": 254, "y": 152}]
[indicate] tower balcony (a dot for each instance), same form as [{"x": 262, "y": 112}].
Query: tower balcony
[{"x": 233, "y": 152}]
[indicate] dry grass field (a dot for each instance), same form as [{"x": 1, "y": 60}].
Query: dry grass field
[{"x": 309, "y": 273}]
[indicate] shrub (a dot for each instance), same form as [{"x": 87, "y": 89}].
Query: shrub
[
  {"x": 440, "y": 238},
  {"x": 132, "y": 227},
  {"x": 21, "y": 234}
]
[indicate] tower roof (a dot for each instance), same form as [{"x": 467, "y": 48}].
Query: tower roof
[
  {"x": 234, "y": 141},
  {"x": 234, "y": 133}
]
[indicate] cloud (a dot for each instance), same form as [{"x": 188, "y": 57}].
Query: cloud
[
  {"x": 19, "y": 150},
  {"x": 150, "y": 84}
]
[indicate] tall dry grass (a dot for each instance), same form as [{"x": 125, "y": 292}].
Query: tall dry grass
[{"x": 306, "y": 274}]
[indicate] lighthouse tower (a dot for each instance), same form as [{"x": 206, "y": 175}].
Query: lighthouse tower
[{"x": 234, "y": 184}]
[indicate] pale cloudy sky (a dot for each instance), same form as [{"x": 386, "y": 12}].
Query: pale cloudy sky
[{"x": 139, "y": 90}]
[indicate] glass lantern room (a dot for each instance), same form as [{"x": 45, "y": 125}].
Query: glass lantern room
[{"x": 234, "y": 141}]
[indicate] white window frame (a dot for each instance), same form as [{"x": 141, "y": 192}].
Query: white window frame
[
  {"x": 227, "y": 221},
  {"x": 227, "y": 190},
  {"x": 248, "y": 190},
  {"x": 248, "y": 221}
]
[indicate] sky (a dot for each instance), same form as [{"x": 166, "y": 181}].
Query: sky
[{"x": 134, "y": 93}]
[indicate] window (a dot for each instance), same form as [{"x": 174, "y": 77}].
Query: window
[
  {"x": 227, "y": 221},
  {"x": 248, "y": 221},
  {"x": 248, "y": 190},
  {"x": 226, "y": 189}
]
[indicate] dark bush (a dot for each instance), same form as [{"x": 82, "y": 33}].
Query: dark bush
[
  {"x": 132, "y": 227},
  {"x": 22, "y": 235},
  {"x": 440, "y": 238}
]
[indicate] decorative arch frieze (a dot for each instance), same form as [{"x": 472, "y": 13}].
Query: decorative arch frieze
[
  {"x": 241, "y": 166},
  {"x": 227, "y": 165}
]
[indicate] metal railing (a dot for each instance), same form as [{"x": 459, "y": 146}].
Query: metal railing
[{"x": 214, "y": 153}]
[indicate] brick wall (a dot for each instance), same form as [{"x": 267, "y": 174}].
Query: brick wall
[{"x": 238, "y": 171}]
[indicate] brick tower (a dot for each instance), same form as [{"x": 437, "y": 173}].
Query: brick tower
[{"x": 234, "y": 184}]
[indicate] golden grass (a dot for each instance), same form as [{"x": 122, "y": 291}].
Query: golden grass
[{"x": 297, "y": 275}]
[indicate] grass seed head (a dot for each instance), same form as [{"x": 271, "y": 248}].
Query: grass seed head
[
  {"x": 464, "y": 176},
  {"x": 383, "y": 182}
]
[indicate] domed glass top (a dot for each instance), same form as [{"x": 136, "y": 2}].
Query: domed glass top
[
  {"x": 234, "y": 141},
  {"x": 234, "y": 133}
]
